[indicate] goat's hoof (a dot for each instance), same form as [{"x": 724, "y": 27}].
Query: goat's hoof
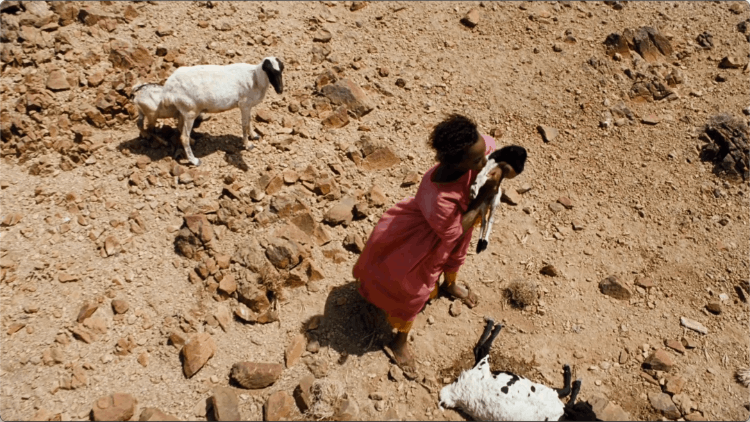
[
  {"x": 196, "y": 163},
  {"x": 254, "y": 137},
  {"x": 249, "y": 147}
]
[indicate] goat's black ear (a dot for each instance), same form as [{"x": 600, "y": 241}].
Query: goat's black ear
[
  {"x": 267, "y": 65},
  {"x": 281, "y": 65}
]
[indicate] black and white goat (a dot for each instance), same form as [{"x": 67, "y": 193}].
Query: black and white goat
[
  {"x": 515, "y": 157},
  {"x": 504, "y": 396},
  {"x": 212, "y": 89}
]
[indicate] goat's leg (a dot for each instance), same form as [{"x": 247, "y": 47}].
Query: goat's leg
[
  {"x": 151, "y": 129},
  {"x": 574, "y": 393},
  {"x": 247, "y": 128},
  {"x": 562, "y": 392},
  {"x": 483, "y": 338},
  {"x": 187, "y": 126},
  {"x": 483, "y": 349}
]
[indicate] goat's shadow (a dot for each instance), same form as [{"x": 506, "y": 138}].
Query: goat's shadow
[
  {"x": 349, "y": 325},
  {"x": 204, "y": 145}
]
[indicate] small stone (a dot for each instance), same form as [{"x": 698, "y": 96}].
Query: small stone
[
  {"x": 695, "y": 416},
  {"x": 556, "y": 207},
  {"x": 548, "y": 133},
  {"x": 396, "y": 373},
  {"x": 318, "y": 366},
  {"x": 11, "y": 219},
  {"x": 120, "y": 306},
  {"x": 164, "y": 30},
  {"x": 86, "y": 311},
  {"x": 152, "y": 414},
  {"x": 675, "y": 345},
  {"x": 313, "y": 346},
  {"x": 57, "y": 81},
  {"x": 294, "y": 350},
  {"x": 624, "y": 357},
  {"x": 278, "y": 406},
  {"x": 223, "y": 316},
  {"x": 323, "y": 35},
  {"x": 659, "y": 360},
  {"x": 611, "y": 286},
  {"x": 730, "y": 62},
  {"x": 431, "y": 320},
  {"x": 347, "y": 410},
  {"x": 303, "y": 393},
  {"x": 714, "y": 307},
  {"x": 663, "y": 403},
  {"x": 674, "y": 385},
  {"x": 376, "y": 196},
  {"x": 721, "y": 77},
  {"x": 117, "y": 407},
  {"x": 510, "y": 196},
  {"x": 196, "y": 352},
  {"x": 143, "y": 359},
  {"x": 644, "y": 282},
  {"x": 412, "y": 178},
  {"x": 472, "y": 18},
  {"x": 565, "y": 202},
  {"x": 341, "y": 212},
  {"x": 383, "y": 72},
  {"x": 550, "y": 270},
  {"x": 651, "y": 119},
  {"x": 225, "y": 404},
  {"x": 256, "y": 375},
  {"x": 228, "y": 285},
  {"x": 455, "y": 309},
  {"x": 693, "y": 325}
]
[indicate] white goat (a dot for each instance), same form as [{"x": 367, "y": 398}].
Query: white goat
[
  {"x": 147, "y": 100},
  {"x": 504, "y": 396},
  {"x": 515, "y": 157},
  {"x": 213, "y": 89}
]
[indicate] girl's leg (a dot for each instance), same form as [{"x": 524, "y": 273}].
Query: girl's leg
[
  {"x": 400, "y": 344},
  {"x": 460, "y": 292}
]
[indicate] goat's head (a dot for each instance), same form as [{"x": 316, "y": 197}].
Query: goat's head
[{"x": 273, "y": 68}]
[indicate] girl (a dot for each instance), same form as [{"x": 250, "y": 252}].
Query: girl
[{"x": 421, "y": 237}]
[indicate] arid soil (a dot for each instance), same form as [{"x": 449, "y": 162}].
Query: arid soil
[{"x": 115, "y": 251}]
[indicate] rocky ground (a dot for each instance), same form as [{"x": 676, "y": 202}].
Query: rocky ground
[{"x": 135, "y": 285}]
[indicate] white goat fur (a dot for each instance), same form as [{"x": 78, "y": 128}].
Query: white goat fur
[
  {"x": 213, "y": 89},
  {"x": 486, "y": 228},
  {"x": 480, "y": 394},
  {"x": 147, "y": 100}
]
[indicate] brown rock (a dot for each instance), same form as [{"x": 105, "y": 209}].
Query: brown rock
[
  {"x": 659, "y": 360},
  {"x": 319, "y": 367},
  {"x": 82, "y": 334},
  {"x": 510, "y": 196},
  {"x": 253, "y": 297},
  {"x": 116, "y": 407},
  {"x": 321, "y": 235},
  {"x": 674, "y": 384},
  {"x": 354, "y": 243},
  {"x": 472, "y": 18},
  {"x": 550, "y": 270},
  {"x": 644, "y": 282},
  {"x": 347, "y": 410},
  {"x": 225, "y": 404},
  {"x": 730, "y": 62},
  {"x": 278, "y": 406},
  {"x": 111, "y": 245},
  {"x": 689, "y": 343},
  {"x": 611, "y": 286},
  {"x": 282, "y": 253},
  {"x": 675, "y": 345},
  {"x": 380, "y": 159},
  {"x": 314, "y": 273},
  {"x": 651, "y": 119},
  {"x": 263, "y": 115},
  {"x": 11, "y": 219},
  {"x": 290, "y": 176},
  {"x": 565, "y": 202},
  {"x": 143, "y": 359},
  {"x": 177, "y": 339},
  {"x": 305, "y": 222},
  {"x": 196, "y": 352},
  {"x": 224, "y": 316},
  {"x": 344, "y": 92},
  {"x": 255, "y": 376},
  {"x": 376, "y": 196},
  {"x": 410, "y": 179},
  {"x": 335, "y": 254},
  {"x": 714, "y": 307},
  {"x": 199, "y": 225},
  {"x": 294, "y": 350},
  {"x": 303, "y": 393},
  {"x": 336, "y": 119},
  {"x": 57, "y": 80},
  {"x": 357, "y": 5},
  {"x": 86, "y": 311},
  {"x": 120, "y": 306},
  {"x": 548, "y": 133},
  {"x": 607, "y": 411},
  {"x": 152, "y": 414},
  {"x": 227, "y": 284},
  {"x": 455, "y": 308},
  {"x": 695, "y": 416},
  {"x": 341, "y": 213},
  {"x": 323, "y": 35},
  {"x": 663, "y": 403}
]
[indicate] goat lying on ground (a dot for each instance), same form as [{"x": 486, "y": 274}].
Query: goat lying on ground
[
  {"x": 213, "y": 89},
  {"x": 511, "y": 159},
  {"x": 147, "y": 100},
  {"x": 504, "y": 396}
]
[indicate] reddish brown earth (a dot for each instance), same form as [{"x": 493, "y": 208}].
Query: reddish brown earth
[{"x": 91, "y": 212}]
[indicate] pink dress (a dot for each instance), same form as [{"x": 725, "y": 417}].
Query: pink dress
[{"x": 414, "y": 241}]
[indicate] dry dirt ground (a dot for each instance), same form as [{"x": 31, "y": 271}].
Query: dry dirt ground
[{"x": 91, "y": 212}]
